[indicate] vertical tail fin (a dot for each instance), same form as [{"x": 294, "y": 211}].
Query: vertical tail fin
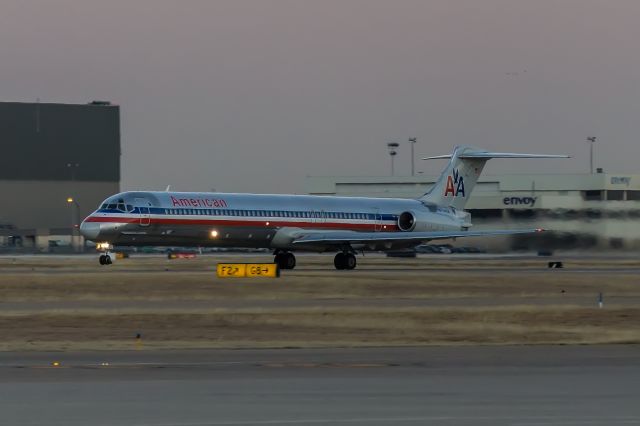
[{"x": 453, "y": 188}]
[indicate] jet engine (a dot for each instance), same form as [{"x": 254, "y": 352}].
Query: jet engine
[
  {"x": 407, "y": 221},
  {"x": 421, "y": 221}
]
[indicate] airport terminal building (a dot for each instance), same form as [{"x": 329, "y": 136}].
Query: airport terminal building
[
  {"x": 583, "y": 210},
  {"x": 58, "y": 162}
]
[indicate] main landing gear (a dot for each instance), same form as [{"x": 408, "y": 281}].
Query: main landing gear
[
  {"x": 344, "y": 260},
  {"x": 285, "y": 260}
]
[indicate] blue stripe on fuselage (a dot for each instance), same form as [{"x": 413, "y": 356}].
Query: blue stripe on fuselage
[{"x": 254, "y": 213}]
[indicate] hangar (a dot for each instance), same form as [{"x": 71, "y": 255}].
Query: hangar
[
  {"x": 582, "y": 210},
  {"x": 58, "y": 162}
]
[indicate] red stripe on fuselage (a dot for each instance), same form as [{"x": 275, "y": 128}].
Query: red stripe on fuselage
[{"x": 252, "y": 223}]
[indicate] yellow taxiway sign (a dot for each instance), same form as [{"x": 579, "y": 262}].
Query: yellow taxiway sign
[{"x": 248, "y": 270}]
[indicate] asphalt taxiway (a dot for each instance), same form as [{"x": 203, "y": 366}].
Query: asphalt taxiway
[{"x": 525, "y": 386}]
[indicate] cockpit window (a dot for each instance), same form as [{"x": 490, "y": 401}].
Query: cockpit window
[{"x": 120, "y": 205}]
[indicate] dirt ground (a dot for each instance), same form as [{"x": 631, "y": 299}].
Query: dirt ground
[{"x": 69, "y": 303}]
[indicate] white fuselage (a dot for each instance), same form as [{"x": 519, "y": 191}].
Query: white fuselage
[{"x": 253, "y": 220}]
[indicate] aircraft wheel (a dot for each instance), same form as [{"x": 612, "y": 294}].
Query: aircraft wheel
[
  {"x": 290, "y": 261},
  {"x": 107, "y": 259},
  {"x": 101, "y": 259},
  {"x": 349, "y": 261},
  {"x": 339, "y": 261},
  {"x": 285, "y": 260}
]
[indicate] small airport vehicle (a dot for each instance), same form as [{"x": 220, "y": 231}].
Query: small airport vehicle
[{"x": 289, "y": 223}]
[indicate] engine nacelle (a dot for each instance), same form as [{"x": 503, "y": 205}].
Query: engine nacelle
[
  {"x": 407, "y": 221},
  {"x": 421, "y": 221}
]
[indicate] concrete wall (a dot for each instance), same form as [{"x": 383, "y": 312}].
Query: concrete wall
[
  {"x": 43, "y": 204},
  {"x": 41, "y": 140}
]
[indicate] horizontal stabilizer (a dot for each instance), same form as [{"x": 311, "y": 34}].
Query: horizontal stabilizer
[{"x": 489, "y": 155}]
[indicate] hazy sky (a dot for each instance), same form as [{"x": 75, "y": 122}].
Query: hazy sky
[{"x": 255, "y": 95}]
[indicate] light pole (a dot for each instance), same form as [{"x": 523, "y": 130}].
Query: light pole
[
  {"x": 392, "y": 146},
  {"x": 72, "y": 168},
  {"x": 75, "y": 218},
  {"x": 413, "y": 141},
  {"x": 592, "y": 140}
]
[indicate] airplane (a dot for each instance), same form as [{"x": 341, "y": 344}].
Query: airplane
[{"x": 291, "y": 223}]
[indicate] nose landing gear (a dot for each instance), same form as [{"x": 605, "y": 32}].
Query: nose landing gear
[{"x": 105, "y": 258}]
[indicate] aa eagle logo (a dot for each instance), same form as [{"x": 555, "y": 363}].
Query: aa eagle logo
[{"x": 455, "y": 185}]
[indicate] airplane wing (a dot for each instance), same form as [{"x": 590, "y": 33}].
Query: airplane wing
[{"x": 354, "y": 237}]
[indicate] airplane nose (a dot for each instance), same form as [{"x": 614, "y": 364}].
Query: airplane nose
[{"x": 90, "y": 230}]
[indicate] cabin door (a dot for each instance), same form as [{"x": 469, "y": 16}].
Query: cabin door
[
  {"x": 377, "y": 226},
  {"x": 145, "y": 212}
]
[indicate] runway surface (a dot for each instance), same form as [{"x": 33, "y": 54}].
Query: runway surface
[
  {"x": 525, "y": 386},
  {"x": 195, "y": 306}
]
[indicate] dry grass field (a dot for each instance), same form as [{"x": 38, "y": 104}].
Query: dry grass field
[{"x": 69, "y": 303}]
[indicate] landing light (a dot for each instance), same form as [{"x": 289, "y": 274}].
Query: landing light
[
  {"x": 103, "y": 246},
  {"x": 214, "y": 234},
  {"x": 69, "y": 200}
]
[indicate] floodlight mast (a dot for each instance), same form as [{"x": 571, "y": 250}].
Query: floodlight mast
[
  {"x": 592, "y": 141},
  {"x": 413, "y": 141}
]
